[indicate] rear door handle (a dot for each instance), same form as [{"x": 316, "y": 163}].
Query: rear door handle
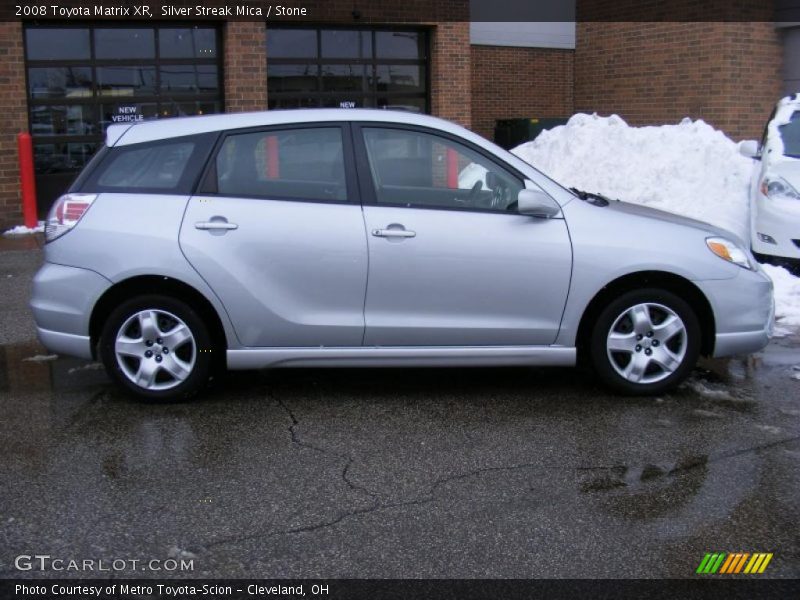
[
  {"x": 206, "y": 225},
  {"x": 394, "y": 233}
]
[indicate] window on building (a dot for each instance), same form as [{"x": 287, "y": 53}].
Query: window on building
[
  {"x": 81, "y": 79},
  {"x": 349, "y": 68}
]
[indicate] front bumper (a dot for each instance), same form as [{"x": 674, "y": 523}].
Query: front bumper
[
  {"x": 744, "y": 312},
  {"x": 62, "y": 301}
]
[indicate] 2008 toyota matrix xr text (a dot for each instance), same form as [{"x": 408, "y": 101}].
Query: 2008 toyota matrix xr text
[{"x": 373, "y": 238}]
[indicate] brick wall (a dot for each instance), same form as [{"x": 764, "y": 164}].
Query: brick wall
[
  {"x": 245, "y": 66},
  {"x": 451, "y": 96},
  {"x": 727, "y": 73},
  {"x": 512, "y": 83},
  {"x": 14, "y": 120}
]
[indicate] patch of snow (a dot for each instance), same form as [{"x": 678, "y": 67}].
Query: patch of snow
[
  {"x": 690, "y": 168},
  {"x": 40, "y": 358},
  {"x": 768, "y": 428},
  {"x": 707, "y": 414},
  {"x": 175, "y": 552},
  {"x": 22, "y": 230},
  {"x": 470, "y": 175},
  {"x": 707, "y": 392},
  {"x": 93, "y": 366}
]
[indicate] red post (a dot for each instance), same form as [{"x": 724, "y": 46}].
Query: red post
[
  {"x": 452, "y": 168},
  {"x": 27, "y": 180},
  {"x": 273, "y": 165}
]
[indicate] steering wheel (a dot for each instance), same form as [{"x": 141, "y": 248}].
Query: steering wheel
[{"x": 473, "y": 193}]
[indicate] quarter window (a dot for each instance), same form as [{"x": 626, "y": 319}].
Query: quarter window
[
  {"x": 293, "y": 164},
  {"x": 159, "y": 167},
  {"x": 164, "y": 167},
  {"x": 415, "y": 169}
]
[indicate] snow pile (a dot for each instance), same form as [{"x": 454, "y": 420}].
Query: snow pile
[
  {"x": 787, "y": 299},
  {"x": 22, "y": 230},
  {"x": 689, "y": 168}
]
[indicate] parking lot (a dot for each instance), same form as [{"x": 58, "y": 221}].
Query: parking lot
[{"x": 461, "y": 473}]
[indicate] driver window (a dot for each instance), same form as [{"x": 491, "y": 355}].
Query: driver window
[{"x": 422, "y": 170}]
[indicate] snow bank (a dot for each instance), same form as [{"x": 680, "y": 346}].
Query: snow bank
[
  {"x": 689, "y": 168},
  {"x": 22, "y": 230},
  {"x": 787, "y": 299}
]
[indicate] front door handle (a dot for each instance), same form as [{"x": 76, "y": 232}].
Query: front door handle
[
  {"x": 208, "y": 225},
  {"x": 394, "y": 233}
]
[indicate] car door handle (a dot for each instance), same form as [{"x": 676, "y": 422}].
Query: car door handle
[
  {"x": 206, "y": 225},
  {"x": 394, "y": 233}
]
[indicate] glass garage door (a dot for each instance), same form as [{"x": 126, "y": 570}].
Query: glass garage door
[
  {"x": 81, "y": 79},
  {"x": 349, "y": 68}
]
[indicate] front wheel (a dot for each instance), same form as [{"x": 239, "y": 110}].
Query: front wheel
[
  {"x": 645, "y": 342},
  {"x": 157, "y": 347}
]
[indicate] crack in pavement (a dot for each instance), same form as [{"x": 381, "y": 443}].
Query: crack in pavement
[
  {"x": 303, "y": 444},
  {"x": 431, "y": 494}
]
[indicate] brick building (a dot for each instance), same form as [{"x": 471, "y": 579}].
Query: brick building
[{"x": 64, "y": 82}]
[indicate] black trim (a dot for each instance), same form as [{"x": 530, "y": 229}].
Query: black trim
[
  {"x": 368, "y": 192},
  {"x": 209, "y": 187}
]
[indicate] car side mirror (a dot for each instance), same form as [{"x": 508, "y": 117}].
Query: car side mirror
[
  {"x": 536, "y": 203},
  {"x": 749, "y": 148}
]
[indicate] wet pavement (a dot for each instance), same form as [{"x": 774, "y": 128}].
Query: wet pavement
[{"x": 395, "y": 473}]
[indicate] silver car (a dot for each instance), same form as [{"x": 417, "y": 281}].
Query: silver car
[{"x": 332, "y": 238}]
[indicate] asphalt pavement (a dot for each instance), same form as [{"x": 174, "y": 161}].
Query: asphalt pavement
[{"x": 441, "y": 473}]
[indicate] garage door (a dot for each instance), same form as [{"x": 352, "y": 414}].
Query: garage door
[{"x": 83, "y": 78}]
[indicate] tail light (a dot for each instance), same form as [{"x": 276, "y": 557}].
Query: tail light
[{"x": 65, "y": 214}]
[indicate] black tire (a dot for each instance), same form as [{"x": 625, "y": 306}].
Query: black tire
[
  {"x": 201, "y": 369},
  {"x": 602, "y": 358}
]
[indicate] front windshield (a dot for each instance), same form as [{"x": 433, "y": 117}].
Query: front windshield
[{"x": 790, "y": 135}]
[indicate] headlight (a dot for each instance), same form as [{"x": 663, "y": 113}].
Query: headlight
[
  {"x": 778, "y": 187},
  {"x": 729, "y": 251}
]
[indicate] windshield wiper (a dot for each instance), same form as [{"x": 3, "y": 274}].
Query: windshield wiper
[{"x": 591, "y": 197}]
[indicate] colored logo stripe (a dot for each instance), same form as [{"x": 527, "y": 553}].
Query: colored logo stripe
[
  {"x": 711, "y": 562},
  {"x": 735, "y": 562}
]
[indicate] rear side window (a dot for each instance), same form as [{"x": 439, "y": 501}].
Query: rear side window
[
  {"x": 302, "y": 163},
  {"x": 167, "y": 166},
  {"x": 160, "y": 167}
]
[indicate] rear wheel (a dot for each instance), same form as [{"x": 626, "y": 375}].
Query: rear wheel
[
  {"x": 645, "y": 342},
  {"x": 157, "y": 347}
]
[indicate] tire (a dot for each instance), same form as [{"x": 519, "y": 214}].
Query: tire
[
  {"x": 654, "y": 346},
  {"x": 137, "y": 361}
]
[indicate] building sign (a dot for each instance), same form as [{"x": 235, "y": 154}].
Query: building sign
[
  {"x": 347, "y": 104},
  {"x": 127, "y": 113}
]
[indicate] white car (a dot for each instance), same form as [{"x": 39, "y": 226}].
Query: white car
[{"x": 775, "y": 188}]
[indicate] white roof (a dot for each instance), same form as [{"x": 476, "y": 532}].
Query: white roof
[{"x": 159, "y": 129}]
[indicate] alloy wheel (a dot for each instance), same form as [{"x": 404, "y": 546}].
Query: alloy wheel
[
  {"x": 155, "y": 349},
  {"x": 647, "y": 343}
]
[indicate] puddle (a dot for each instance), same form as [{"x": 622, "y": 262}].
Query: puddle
[
  {"x": 28, "y": 367},
  {"x": 20, "y": 242}
]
